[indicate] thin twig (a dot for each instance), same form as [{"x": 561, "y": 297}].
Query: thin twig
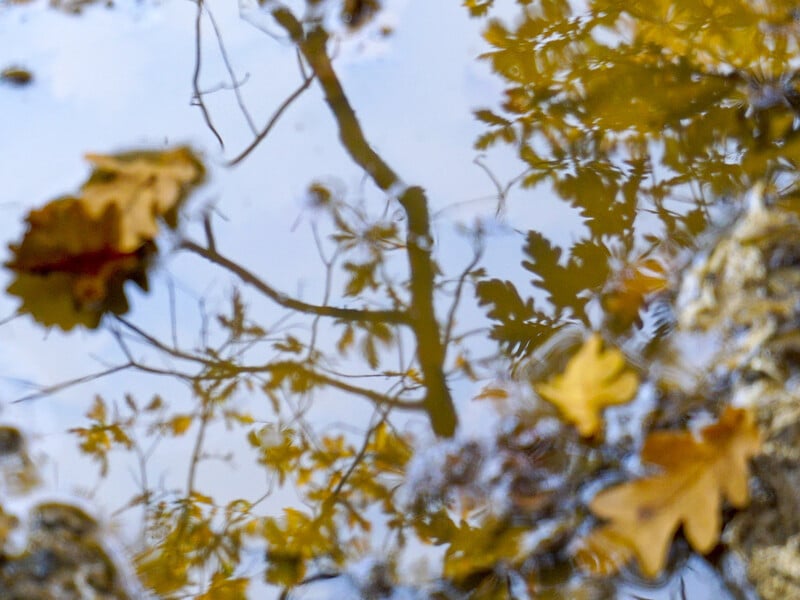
[
  {"x": 451, "y": 316},
  {"x": 317, "y": 377},
  {"x": 174, "y": 351},
  {"x": 271, "y": 123},
  {"x": 235, "y": 86},
  {"x": 326, "y": 294},
  {"x": 52, "y": 389},
  {"x": 210, "y": 241},
  {"x": 173, "y": 315},
  {"x": 205, "y": 419},
  {"x": 502, "y": 192},
  {"x": 349, "y": 314},
  {"x": 198, "y": 97},
  {"x": 362, "y": 452},
  {"x": 222, "y": 370}
]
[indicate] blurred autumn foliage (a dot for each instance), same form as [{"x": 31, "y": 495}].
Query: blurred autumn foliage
[
  {"x": 78, "y": 252},
  {"x": 643, "y": 117}
]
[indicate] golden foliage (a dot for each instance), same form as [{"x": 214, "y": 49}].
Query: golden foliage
[
  {"x": 101, "y": 436},
  {"x": 225, "y": 588},
  {"x": 476, "y": 549},
  {"x": 593, "y": 379},
  {"x": 695, "y": 475}
]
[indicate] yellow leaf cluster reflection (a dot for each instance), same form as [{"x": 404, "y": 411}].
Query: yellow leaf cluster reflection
[
  {"x": 593, "y": 379},
  {"x": 695, "y": 475}
]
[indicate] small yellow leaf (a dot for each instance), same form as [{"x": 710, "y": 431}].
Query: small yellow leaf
[
  {"x": 154, "y": 404},
  {"x": 98, "y": 410},
  {"x": 492, "y": 393},
  {"x": 415, "y": 376},
  {"x": 180, "y": 424},
  {"x": 201, "y": 498},
  {"x": 593, "y": 379}
]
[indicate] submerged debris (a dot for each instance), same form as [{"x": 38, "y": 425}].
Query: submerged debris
[
  {"x": 64, "y": 555},
  {"x": 743, "y": 300}
]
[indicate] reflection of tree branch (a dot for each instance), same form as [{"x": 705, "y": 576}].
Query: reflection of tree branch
[
  {"x": 198, "y": 97},
  {"x": 52, "y": 389},
  {"x": 221, "y": 369},
  {"x": 271, "y": 123},
  {"x": 328, "y": 262},
  {"x": 158, "y": 344},
  {"x": 206, "y": 415},
  {"x": 349, "y": 314},
  {"x": 234, "y": 85},
  {"x": 359, "y": 457},
  {"x": 317, "y": 377},
  {"x": 430, "y": 350},
  {"x": 502, "y": 191},
  {"x": 451, "y": 316}
]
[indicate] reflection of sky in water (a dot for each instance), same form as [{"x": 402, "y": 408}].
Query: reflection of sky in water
[{"x": 115, "y": 79}]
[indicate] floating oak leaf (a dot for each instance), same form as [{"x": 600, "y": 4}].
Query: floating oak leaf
[
  {"x": 145, "y": 186},
  {"x": 696, "y": 474},
  {"x": 69, "y": 269},
  {"x": 593, "y": 379}
]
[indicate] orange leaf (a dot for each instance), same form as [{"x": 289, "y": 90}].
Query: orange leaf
[{"x": 696, "y": 474}]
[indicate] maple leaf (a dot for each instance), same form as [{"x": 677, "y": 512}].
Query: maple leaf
[
  {"x": 593, "y": 379},
  {"x": 145, "y": 186},
  {"x": 695, "y": 475}
]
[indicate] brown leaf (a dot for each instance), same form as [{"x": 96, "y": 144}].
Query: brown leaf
[
  {"x": 696, "y": 475},
  {"x": 78, "y": 252},
  {"x": 68, "y": 267}
]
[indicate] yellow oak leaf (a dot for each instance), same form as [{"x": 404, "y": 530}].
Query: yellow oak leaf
[
  {"x": 593, "y": 379},
  {"x": 144, "y": 186},
  {"x": 695, "y": 475}
]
